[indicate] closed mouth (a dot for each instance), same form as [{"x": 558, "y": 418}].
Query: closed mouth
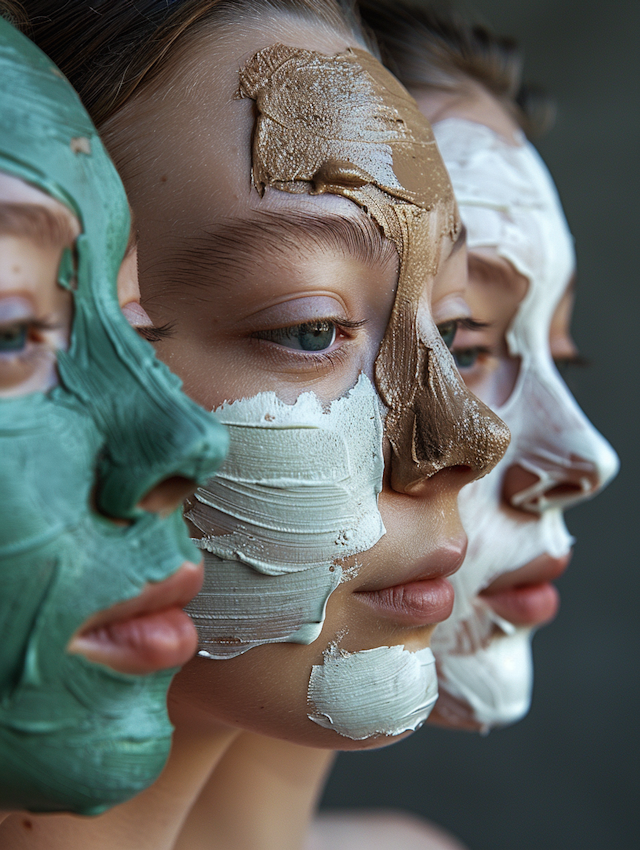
[
  {"x": 424, "y": 597},
  {"x": 148, "y": 633},
  {"x": 526, "y": 597}
]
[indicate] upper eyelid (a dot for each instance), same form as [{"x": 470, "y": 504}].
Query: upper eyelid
[{"x": 340, "y": 322}]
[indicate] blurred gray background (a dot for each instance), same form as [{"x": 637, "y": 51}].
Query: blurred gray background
[{"x": 565, "y": 778}]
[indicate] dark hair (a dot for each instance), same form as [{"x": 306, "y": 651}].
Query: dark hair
[
  {"x": 434, "y": 47},
  {"x": 108, "y": 49},
  {"x": 13, "y": 11}
]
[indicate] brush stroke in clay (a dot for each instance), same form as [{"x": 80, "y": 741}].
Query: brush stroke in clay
[
  {"x": 297, "y": 494},
  {"x": 383, "y": 691},
  {"x": 509, "y": 204},
  {"x": 75, "y": 735},
  {"x": 343, "y": 125}
]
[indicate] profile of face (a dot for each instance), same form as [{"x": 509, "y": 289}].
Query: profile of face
[
  {"x": 521, "y": 267},
  {"x": 97, "y": 448},
  {"x": 306, "y": 267}
]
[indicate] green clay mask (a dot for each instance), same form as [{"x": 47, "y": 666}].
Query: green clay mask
[{"x": 75, "y": 735}]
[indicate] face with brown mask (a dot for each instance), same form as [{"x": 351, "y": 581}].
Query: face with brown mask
[{"x": 287, "y": 234}]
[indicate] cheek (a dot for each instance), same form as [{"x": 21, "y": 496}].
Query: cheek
[{"x": 297, "y": 494}]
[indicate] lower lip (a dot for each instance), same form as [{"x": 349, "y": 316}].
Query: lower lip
[
  {"x": 143, "y": 644},
  {"x": 526, "y": 604},
  {"x": 148, "y": 633},
  {"x": 419, "y": 603}
]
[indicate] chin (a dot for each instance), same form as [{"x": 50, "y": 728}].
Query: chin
[{"x": 488, "y": 688}]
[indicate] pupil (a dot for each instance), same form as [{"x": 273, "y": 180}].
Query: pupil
[
  {"x": 13, "y": 338},
  {"x": 316, "y": 336}
]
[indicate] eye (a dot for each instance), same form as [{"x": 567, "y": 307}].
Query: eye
[
  {"x": 13, "y": 337},
  {"x": 448, "y": 332},
  {"x": 465, "y": 358},
  {"x": 309, "y": 336}
]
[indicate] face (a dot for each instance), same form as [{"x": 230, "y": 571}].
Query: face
[
  {"x": 321, "y": 352},
  {"x": 521, "y": 265},
  {"x": 98, "y": 445}
]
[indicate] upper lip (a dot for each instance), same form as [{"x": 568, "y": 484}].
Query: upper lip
[
  {"x": 541, "y": 570},
  {"x": 445, "y": 561},
  {"x": 174, "y": 592}
]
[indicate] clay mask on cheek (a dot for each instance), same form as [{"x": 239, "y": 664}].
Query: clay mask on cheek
[
  {"x": 298, "y": 492},
  {"x": 509, "y": 204},
  {"x": 75, "y": 735}
]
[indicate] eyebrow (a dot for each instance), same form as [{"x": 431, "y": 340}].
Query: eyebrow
[
  {"x": 37, "y": 223},
  {"x": 234, "y": 245}
]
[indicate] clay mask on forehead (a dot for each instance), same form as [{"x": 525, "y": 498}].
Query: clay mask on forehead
[
  {"x": 509, "y": 204},
  {"x": 73, "y": 734}
]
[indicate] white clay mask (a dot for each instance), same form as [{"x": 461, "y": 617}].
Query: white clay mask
[
  {"x": 382, "y": 691},
  {"x": 297, "y": 494},
  {"x": 509, "y": 203}
]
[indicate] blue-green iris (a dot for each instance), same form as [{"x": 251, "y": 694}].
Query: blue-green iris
[
  {"x": 13, "y": 338},
  {"x": 309, "y": 336},
  {"x": 448, "y": 332},
  {"x": 466, "y": 357}
]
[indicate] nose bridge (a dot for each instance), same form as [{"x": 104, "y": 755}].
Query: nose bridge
[
  {"x": 556, "y": 443},
  {"x": 439, "y": 423}
]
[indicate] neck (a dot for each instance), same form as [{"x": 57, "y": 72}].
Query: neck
[
  {"x": 262, "y": 795},
  {"x": 150, "y": 821}
]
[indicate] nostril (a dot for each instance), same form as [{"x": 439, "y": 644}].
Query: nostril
[
  {"x": 167, "y": 495},
  {"x": 517, "y": 480}
]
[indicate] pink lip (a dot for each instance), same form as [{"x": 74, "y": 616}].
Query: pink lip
[
  {"x": 148, "y": 633},
  {"x": 425, "y": 597},
  {"x": 526, "y": 597}
]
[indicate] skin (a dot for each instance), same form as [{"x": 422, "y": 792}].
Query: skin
[
  {"x": 196, "y": 144},
  {"x": 265, "y": 689},
  {"x": 495, "y": 290},
  {"x": 493, "y": 293}
]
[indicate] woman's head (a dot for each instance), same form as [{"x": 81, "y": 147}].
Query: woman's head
[
  {"x": 306, "y": 267},
  {"x": 521, "y": 268},
  {"x": 95, "y": 437}
]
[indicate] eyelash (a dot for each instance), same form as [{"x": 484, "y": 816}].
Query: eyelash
[
  {"x": 29, "y": 325},
  {"x": 158, "y": 332},
  {"x": 562, "y": 364}
]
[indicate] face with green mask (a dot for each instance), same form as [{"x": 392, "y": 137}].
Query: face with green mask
[{"x": 88, "y": 428}]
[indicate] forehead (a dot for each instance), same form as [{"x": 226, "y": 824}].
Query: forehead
[{"x": 206, "y": 165}]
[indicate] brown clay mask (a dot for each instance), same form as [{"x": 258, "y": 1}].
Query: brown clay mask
[{"x": 361, "y": 136}]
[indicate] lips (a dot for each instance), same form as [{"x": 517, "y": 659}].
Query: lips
[
  {"x": 526, "y": 597},
  {"x": 424, "y": 597},
  {"x": 148, "y": 633}
]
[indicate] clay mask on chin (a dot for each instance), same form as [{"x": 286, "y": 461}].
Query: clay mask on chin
[
  {"x": 509, "y": 204},
  {"x": 75, "y": 735}
]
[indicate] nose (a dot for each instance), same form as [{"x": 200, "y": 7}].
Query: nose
[
  {"x": 539, "y": 483},
  {"x": 158, "y": 448},
  {"x": 560, "y": 459},
  {"x": 434, "y": 422}
]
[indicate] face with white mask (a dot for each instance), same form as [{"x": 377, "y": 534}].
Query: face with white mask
[{"x": 521, "y": 265}]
